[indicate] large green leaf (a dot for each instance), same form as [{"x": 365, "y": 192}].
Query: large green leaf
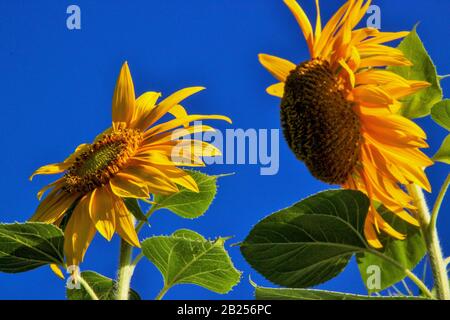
[
  {"x": 186, "y": 257},
  {"x": 26, "y": 246},
  {"x": 103, "y": 287},
  {"x": 310, "y": 242},
  {"x": 408, "y": 253},
  {"x": 419, "y": 104},
  {"x": 189, "y": 204},
  {"x": 441, "y": 113},
  {"x": 443, "y": 154},
  {"x": 262, "y": 293}
]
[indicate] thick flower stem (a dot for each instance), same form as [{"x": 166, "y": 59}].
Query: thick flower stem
[
  {"x": 126, "y": 269},
  {"x": 438, "y": 267}
]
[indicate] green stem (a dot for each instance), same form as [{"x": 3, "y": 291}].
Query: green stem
[
  {"x": 147, "y": 215},
  {"x": 126, "y": 264},
  {"x": 438, "y": 203},
  {"x": 447, "y": 261},
  {"x": 441, "y": 281},
  {"x": 126, "y": 269},
  {"x": 137, "y": 259},
  {"x": 162, "y": 293},
  {"x": 419, "y": 283},
  {"x": 88, "y": 288}
]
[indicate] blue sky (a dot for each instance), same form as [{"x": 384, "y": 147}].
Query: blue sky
[{"x": 56, "y": 87}]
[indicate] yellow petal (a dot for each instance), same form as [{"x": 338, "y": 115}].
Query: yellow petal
[
  {"x": 383, "y": 61},
  {"x": 181, "y": 177},
  {"x": 124, "y": 224},
  {"x": 144, "y": 104},
  {"x": 57, "y": 184},
  {"x": 79, "y": 233},
  {"x": 101, "y": 211},
  {"x": 51, "y": 169},
  {"x": 303, "y": 22},
  {"x": 380, "y": 77},
  {"x": 53, "y": 206},
  {"x": 57, "y": 270},
  {"x": 369, "y": 94},
  {"x": 169, "y": 103},
  {"x": 386, "y": 227},
  {"x": 349, "y": 72},
  {"x": 155, "y": 180},
  {"x": 320, "y": 45},
  {"x": 278, "y": 67},
  {"x": 123, "y": 105},
  {"x": 318, "y": 30},
  {"x": 276, "y": 90},
  {"x": 386, "y": 37},
  {"x": 176, "y": 134},
  {"x": 126, "y": 186},
  {"x": 371, "y": 235},
  {"x": 172, "y": 124}
]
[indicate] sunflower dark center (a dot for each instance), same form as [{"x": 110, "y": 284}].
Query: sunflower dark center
[
  {"x": 319, "y": 124},
  {"x": 102, "y": 160}
]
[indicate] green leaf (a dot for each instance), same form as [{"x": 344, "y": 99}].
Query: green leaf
[
  {"x": 187, "y": 257},
  {"x": 103, "y": 287},
  {"x": 26, "y": 246},
  {"x": 262, "y": 293},
  {"x": 420, "y": 104},
  {"x": 441, "y": 113},
  {"x": 189, "y": 204},
  {"x": 408, "y": 252},
  {"x": 310, "y": 242},
  {"x": 134, "y": 208},
  {"x": 443, "y": 154}
]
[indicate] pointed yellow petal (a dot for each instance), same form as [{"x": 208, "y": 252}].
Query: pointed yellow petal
[
  {"x": 144, "y": 104},
  {"x": 172, "y": 124},
  {"x": 384, "y": 61},
  {"x": 51, "y": 169},
  {"x": 176, "y": 134},
  {"x": 278, "y": 67},
  {"x": 123, "y": 105},
  {"x": 371, "y": 235},
  {"x": 276, "y": 90},
  {"x": 57, "y": 270},
  {"x": 169, "y": 103},
  {"x": 53, "y": 206},
  {"x": 382, "y": 37},
  {"x": 57, "y": 184},
  {"x": 370, "y": 94},
  {"x": 386, "y": 227},
  {"x": 124, "y": 224},
  {"x": 181, "y": 177},
  {"x": 349, "y": 72},
  {"x": 101, "y": 211},
  {"x": 303, "y": 22},
  {"x": 79, "y": 233},
  {"x": 326, "y": 35},
  {"x": 126, "y": 186},
  {"x": 318, "y": 30},
  {"x": 154, "y": 179}
]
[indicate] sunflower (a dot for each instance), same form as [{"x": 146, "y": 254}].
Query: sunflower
[
  {"x": 339, "y": 113},
  {"x": 131, "y": 159}
]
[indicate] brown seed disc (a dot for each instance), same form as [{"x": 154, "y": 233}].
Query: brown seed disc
[{"x": 319, "y": 124}]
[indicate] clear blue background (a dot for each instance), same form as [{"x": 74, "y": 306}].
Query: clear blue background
[{"x": 56, "y": 87}]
